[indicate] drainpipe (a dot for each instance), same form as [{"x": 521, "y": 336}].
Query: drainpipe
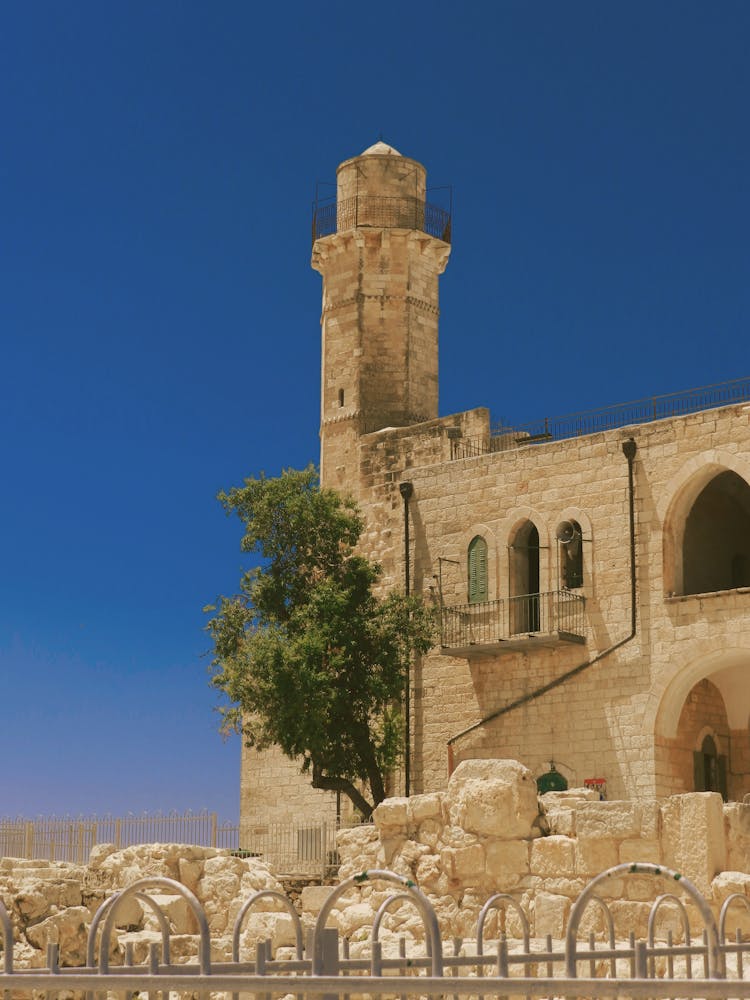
[
  {"x": 629, "y": 449},
  {"x": 406, "y": 490}
]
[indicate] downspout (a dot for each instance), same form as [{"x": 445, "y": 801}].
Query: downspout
[
  {"x": 629, "y": 449},
  {"x": 406, "y": 490}
]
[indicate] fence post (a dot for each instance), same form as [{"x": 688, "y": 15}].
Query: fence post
[
  {"x": 330, "y": 953},
  {"x": 118, "y": 829},
  {"x": 28, "y": 845},
  {"x": 213, "y": 829},
  {"x": 80, "y": 841}
]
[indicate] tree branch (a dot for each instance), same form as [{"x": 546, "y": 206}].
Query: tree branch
[{"x": 331, "y": 784}]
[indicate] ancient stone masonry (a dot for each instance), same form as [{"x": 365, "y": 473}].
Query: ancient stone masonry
[
  {"x": 487, "y": 833},
  {"x": 522, "y": 540}
]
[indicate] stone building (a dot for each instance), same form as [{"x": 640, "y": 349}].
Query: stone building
[{"x": 592, "y": 574}]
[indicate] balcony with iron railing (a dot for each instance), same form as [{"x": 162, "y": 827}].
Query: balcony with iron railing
[
  {"x": 381, "y": 213},
  {"x": 486, "y": 628},
  {"x": 639, "y": 411}
]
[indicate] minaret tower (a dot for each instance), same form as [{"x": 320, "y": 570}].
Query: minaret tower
[{"x": 380, "y": 249}]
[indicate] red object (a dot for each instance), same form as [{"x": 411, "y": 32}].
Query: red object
[{"x": 598, "y": 784}]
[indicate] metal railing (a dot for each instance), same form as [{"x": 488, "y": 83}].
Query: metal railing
[
  {"x": 485, "y": 622},
  {"x": 713, "y": 966},
  {"x": 290, "y": 848},
  {"x": 381, "y": 213},
  {"x": 640, "y": 411}
]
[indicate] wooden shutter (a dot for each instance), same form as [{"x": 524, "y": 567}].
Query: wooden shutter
[{"x": 478, "y": 590}]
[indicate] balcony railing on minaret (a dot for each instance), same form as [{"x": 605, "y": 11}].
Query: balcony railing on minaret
[{"x": 380, "y": 213}]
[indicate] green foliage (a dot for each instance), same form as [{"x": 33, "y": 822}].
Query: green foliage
[{"x": 310, "y": 657}]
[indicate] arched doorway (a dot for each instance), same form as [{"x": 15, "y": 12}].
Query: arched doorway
[
  {"x": 524, "y": 580},
  {"x": 702, "y": 732}
]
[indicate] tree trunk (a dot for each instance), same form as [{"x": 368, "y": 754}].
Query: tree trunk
[{"x": 331, "y": 784}]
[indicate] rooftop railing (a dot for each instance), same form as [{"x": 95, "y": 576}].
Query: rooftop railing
[
  {"x": 380, "y": 213},
  {"x": 639, "y": 411}
]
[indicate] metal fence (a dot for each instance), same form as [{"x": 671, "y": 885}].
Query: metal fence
[
  {"x": 559, "y": 612},
  {"x": 381, "y": 213},
  {"x": 715, "y": 965},
  {"x": 640, "y": 411},
  {"x": 306, "y": 848},
  {"x": 65, "y": 838}
]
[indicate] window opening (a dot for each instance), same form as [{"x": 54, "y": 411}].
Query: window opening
[
  {"x": 569, "y": 535},
  {"x": 710, "y": 768},
  {"x": 478, "y": 581},
  {"x": 740, "y": 570},
  {"x": 716, "y": 542},
  {"x": 341, "y": 397},
  {"x": 525, "y": 602}
]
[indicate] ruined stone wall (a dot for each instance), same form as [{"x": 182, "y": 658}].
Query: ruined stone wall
[{"x": 488, "y": 833}]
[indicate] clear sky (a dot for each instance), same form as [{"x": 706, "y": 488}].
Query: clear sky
[{"x": 159, "y": 318}]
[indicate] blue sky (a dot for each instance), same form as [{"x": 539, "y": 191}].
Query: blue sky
[{"x": 159, "y": 319}]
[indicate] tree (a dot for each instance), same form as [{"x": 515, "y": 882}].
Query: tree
[{"x": 312, "y": 659}]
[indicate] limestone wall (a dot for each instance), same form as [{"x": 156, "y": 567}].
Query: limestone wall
[
  {"x": 619, "y": 718},
  {"x": 54, "y": 902},
  {"x": 489, "y": 833}
]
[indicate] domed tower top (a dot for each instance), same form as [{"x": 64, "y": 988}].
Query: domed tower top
[
  {"x": 380, "y": 187},
  {"x": 380, "y": 148}
]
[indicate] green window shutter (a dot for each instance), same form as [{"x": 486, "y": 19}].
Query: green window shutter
[{"x": 478, "y": 590}]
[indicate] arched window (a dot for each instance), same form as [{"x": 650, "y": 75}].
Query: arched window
[
  {"x": 710, "y": 768},
  {"x": 570, "y": 537},
  {"x": 716, "y": 543},
  {"x": 477, "y": 559}
]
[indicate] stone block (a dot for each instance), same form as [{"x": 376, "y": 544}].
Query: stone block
[
  {"x": 550, "y": 914},
  {"x": 737, "y": 832},
  {"x": 430, "y": 831},
  {"x": 392, "y": 815},
  {"x": 68, "y": 929},
  {"x": 312, "y": 898},
  {"x": 426, "y": 807},
  {"x": 693, "y": 836},
  {"x": 613, "y": 820},
  {"x": 464, "y": 864},
  {"x": 553, "y": 856},
  {"x": 493, "y": 798},
  {"x": 595, "y": 856},
  {"x": 561, "y": 822},
  {"x": 725, "y": 885},
  {"x": 507, "y": 862},
  {"x": 630, "y": 916},
  {"x": 640, "y": 850}
]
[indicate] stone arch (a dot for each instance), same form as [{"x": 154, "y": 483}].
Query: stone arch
[
  {"x": 507, "y": 530},
  {"x": 674, "y": 508},
  {"x": 525, "y": 576},
  {"x": 708, "y": 696}
]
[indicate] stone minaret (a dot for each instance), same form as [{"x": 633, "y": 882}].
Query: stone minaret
[{"x": 380, "y": 250}]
